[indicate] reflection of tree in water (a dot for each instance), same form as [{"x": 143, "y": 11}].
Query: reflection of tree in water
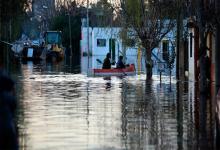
[
  {"x": 206, "y": 122},
  {"x": 203, "y": 119},
  {"x": 160, "y": 108},
  {"x": 144, "y": 114},
  {"x": 153, "y": 117}
]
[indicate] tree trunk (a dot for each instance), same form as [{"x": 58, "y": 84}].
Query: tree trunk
[
  {"x": 179, "y": 50},
  {"x": 148, "y": 64},
  {"x": 204, "y": 65},
  {"x": 203, "y": 62}
]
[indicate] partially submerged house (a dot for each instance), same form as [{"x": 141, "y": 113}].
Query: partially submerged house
[{"x": 107, "y": 39}]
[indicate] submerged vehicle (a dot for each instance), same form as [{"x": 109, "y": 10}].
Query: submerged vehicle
[
  {"x": 26, "y": 50},
  {"x": 127, "y": 71},
  {"x": 47, "y": 48},
  {"x": 53, "y": 49}
]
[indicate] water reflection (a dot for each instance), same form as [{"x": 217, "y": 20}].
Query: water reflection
[
  {"x": 218, "y": 121},
  {"x": 61, "y": 108}
]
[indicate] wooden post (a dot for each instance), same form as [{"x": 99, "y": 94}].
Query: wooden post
[{"x": 180, "y": 70}]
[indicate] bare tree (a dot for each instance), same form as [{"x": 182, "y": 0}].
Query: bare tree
[
  {"x": 151, "y": 20},
  {"x": 70, "y": 5}
]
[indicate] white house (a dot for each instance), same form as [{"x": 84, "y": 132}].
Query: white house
[{"x": 104, "y": 40}]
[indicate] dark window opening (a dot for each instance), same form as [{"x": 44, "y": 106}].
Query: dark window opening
[{"x": 101, "y": 42}]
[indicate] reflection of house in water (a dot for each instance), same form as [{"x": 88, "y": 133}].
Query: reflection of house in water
[{"x": 105, "y": 39}]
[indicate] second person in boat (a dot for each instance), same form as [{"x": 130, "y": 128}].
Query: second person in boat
[{"x": 120, "y": 63}]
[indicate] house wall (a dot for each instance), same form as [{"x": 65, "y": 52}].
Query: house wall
[
  {"x": 84, "y": 41},
  {"x": 106, "y": 34}
]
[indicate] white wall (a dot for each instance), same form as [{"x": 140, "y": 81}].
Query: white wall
[
  {"x": 105, "y": 33},
  {"x": 84, "y": 41}
]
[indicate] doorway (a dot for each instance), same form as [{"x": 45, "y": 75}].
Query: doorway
[{"x": 112, "y": 48}]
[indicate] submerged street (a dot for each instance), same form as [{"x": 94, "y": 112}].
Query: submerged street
[
  {"x": 61, "y": 108},
  {"x": 110, "y": 75}
]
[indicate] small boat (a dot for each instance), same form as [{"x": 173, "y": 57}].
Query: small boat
[{"x": 128, "y": 71}]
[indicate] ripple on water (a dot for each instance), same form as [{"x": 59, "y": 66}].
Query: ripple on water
[{"x": 73, "y": 111}]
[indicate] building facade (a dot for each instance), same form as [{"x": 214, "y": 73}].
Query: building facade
[{"x": 107, "y": 40}]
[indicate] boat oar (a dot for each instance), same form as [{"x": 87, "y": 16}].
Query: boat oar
[{"x": 99, "y": 61}]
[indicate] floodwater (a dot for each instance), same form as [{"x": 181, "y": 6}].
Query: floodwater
[{"x": 62, "y": 109}]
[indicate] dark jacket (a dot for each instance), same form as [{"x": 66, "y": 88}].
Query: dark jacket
[
  {"x": 120, "y": 64},
  {"x": 106, "y": 64}
]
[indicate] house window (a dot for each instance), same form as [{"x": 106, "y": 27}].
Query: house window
[{"x": 101, "y": 42}]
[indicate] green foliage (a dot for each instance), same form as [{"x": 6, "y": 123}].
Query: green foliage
[
  {"x": 11, "y": 18},
  {"x": 133, "y": 9},
  {"x": 12, "y": 8},
  {"x": 101, "y": 14},
  {"x": 61, "y": 23},
  {"x": 16, "y": 27},
  {"x": 127, "y": 39}
]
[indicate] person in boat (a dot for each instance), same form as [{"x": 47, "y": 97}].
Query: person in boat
[
  {"x": 107, "y": 62},
  {"x": 120, "y": 63}
]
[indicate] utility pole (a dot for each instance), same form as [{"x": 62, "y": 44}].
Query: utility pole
[
  {"x": 70, "y": 35},
  {"x": 87, "y": 21}
]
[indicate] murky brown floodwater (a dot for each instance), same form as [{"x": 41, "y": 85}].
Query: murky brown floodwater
[{"x": 63, "y": 110}]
